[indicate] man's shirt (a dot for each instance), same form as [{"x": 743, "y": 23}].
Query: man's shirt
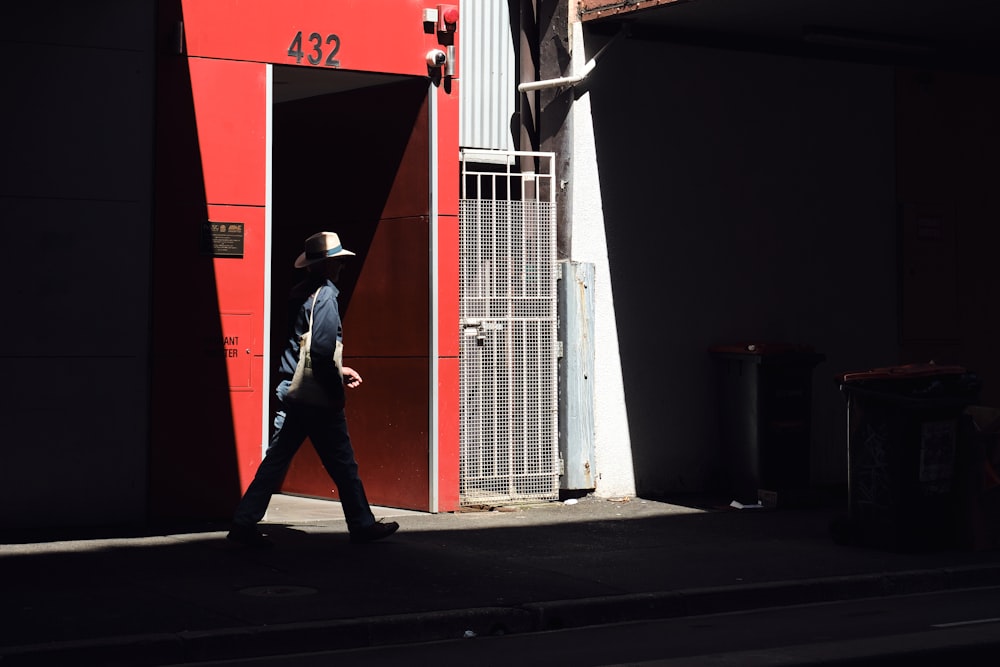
[{"x": 326, "y": 333}]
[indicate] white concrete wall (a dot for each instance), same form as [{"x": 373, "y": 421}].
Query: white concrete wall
[
  {"x": 612, "y": 444},
  {"x": 728, "y": 196}
]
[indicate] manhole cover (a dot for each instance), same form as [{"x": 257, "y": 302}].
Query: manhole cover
[{"x": 278, "y": 591}]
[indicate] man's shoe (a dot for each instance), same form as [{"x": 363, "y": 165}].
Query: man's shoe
[
  {"x": 249, "y": 536},
  {"x": 376, "y": 531}
]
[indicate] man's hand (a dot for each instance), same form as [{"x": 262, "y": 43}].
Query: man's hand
[{"x": 352, "y": 378}]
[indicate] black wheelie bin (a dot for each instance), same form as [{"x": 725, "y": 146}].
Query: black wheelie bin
[
  {"x": 904, "y": 426},
  {"x": 765, "y": 402}
]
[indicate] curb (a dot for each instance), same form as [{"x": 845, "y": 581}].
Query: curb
[
  {"x": 695, "y": 602},
  {"x": 960, "y": 646},
  {"x": 151, "y": 650}
]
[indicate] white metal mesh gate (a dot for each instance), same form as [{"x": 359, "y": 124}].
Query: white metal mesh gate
[{"x": 507, "y": 302}]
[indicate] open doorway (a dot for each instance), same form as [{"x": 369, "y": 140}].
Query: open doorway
[{"x": 351, "y": 154}]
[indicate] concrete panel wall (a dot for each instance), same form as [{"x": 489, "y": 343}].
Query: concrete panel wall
[
  {"x": 746, "y": 197},
  {"x": 75, "y": 185}
]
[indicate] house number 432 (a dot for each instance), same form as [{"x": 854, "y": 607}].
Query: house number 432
[{"x": 329, "y": 45}]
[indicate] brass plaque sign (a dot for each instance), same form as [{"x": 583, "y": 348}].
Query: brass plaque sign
[{"x": 222, "y": 239}]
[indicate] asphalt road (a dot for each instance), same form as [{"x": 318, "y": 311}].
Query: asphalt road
[{"x": 960, "y": 627}]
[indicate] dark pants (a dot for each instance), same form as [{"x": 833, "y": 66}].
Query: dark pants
[{"x": 328, "y": 431}]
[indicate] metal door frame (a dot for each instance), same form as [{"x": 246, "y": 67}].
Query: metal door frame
[{"x": 509, "y": 440}]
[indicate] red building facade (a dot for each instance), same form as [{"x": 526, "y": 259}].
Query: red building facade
[{"x": 276, "y": 121}]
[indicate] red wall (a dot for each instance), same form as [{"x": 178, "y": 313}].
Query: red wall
[
  {"x": 447, "y": 294},
  {"x": 206, "y": 396},
  {"x": 208, "y": 311},
  {"x": 373, "y": 35}
]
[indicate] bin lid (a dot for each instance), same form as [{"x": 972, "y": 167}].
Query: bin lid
[
  {"x": 768, "y": 354},
  {"x": 903, "y": 372}
]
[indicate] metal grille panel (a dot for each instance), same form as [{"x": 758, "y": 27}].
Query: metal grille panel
[{"x": 507, "y": 296}]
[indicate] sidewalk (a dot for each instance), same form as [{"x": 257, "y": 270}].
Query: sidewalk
[{"x": 176, "y": 598}]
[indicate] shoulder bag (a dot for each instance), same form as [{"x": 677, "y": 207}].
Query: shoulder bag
[{"x": 305, "y": 390}]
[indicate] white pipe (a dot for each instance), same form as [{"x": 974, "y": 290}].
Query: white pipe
[
  {"x": 568, "y": 80},
  {"x": 265, "y": 388},
  {"x": 434, "y": 435},
  {"x": 561, "y": 81}
]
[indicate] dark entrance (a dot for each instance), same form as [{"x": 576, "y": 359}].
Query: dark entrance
[{"x": 351, "y": 155}]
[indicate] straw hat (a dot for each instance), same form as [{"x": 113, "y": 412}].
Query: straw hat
[{"x": 319, "y": 247}]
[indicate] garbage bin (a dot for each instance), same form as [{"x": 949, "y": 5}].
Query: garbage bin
[
  {"x": 765, "y": 401},
  {"x": 904, "y": 430},
  {"x": 977, "y": 480}
]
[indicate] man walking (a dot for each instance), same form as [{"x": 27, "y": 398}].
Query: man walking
[{"x": 314, "y": 300}]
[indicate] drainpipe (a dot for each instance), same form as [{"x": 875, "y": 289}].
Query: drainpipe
[{"x": 565, "y": 81}]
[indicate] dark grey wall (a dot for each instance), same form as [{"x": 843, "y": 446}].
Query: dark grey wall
[
  {"x": 747, "y": 197},
  {"x": 75, "y": 192}
]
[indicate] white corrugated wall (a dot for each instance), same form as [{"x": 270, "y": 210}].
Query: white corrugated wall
[{"x": 487, "y": 76}]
